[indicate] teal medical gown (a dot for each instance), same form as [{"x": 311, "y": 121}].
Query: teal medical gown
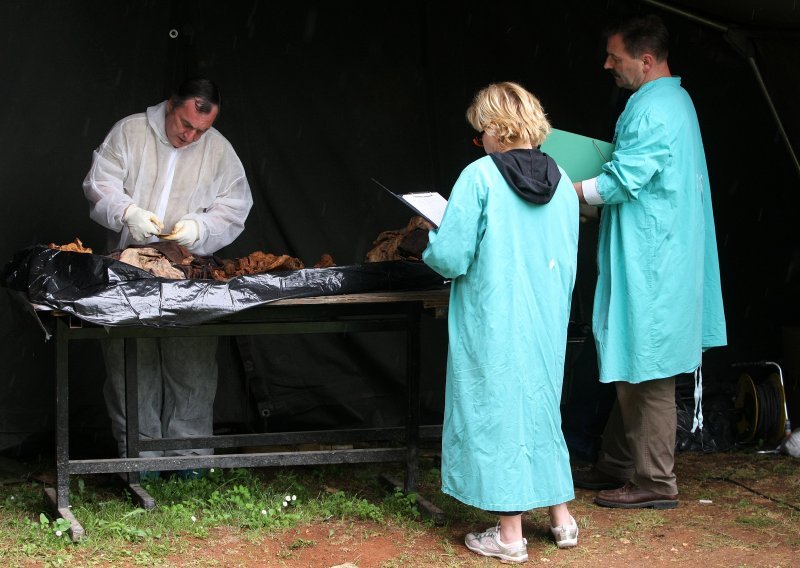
[
  {"x": 513, "y": 267},
  {"x": 658, "y": 301}
]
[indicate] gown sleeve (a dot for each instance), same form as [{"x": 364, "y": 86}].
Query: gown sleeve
[
  {"x": 453, "y": 246},
  {"x": 641, "y": 151}
]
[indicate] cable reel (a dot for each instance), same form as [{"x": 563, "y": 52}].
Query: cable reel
[{"x": 761, "y": 407}]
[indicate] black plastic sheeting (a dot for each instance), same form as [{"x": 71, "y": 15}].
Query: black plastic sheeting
[{"x": 105, "y": 291}]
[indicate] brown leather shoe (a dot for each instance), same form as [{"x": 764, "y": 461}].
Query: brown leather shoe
[
  {"x": 631, "y": 497},
  {"x": 595, "y": 479}
]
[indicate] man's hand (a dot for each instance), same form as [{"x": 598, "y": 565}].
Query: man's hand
[
  {"x": 588, "y": 212},
  {"x": 578, "y": 185},
  {"x": 185, "y": 233},
  {"x": 141, "y": 223}
]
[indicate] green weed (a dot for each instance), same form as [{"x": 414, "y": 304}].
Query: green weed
[{"x": 246, "y": 499}]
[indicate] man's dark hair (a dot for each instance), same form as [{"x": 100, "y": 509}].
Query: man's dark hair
[
  {"x": 204, "y": 93},
  {"x": 642, "y": 34}
]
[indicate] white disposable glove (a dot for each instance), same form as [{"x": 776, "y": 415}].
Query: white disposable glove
[
  {"x": 185, "y": 232},
  {"x": 141, "y": 223}
]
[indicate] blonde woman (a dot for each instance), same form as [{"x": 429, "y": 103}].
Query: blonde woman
[{"x": 509, "y": 241}]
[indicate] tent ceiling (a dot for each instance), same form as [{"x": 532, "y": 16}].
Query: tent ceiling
[{"x": 781, "y": 14}]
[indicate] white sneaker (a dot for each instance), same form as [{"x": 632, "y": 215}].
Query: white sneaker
[
  {"x": 566, "y": 536},
  {"x": 488, "y": 543}
]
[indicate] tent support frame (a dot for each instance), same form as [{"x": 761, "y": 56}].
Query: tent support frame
[{"x": 741, "y": 42}]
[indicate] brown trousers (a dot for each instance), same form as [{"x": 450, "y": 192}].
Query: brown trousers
[{"x": 639, "y": 437}]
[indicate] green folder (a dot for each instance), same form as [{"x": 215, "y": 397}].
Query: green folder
[{"x": 580, "y": 156}]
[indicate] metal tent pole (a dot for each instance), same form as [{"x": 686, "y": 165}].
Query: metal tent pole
[{"x": 741, "y": 42}]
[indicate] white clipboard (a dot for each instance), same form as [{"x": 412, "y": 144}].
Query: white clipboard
[{"x": 428, "y": 204}]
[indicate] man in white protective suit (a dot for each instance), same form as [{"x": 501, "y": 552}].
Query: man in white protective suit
[{"x": 168, "y": 174}]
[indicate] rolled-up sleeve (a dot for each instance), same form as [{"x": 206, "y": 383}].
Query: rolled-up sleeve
[
  {"x": 641, "y": 151},
  {"x": 590, "y": 193}
]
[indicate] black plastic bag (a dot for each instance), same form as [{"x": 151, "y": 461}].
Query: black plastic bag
[{"x": 105, "y": 291}]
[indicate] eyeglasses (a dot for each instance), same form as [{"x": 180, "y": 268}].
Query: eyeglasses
[{"x": 478, "y": 140}]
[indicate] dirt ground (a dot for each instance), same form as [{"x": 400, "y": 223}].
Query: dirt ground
[{"x": 736, "y": 509}]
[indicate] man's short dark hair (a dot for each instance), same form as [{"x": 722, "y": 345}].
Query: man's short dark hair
[
  {"x": 642, "y": 34},
  {"x": 203, "y": 91}
]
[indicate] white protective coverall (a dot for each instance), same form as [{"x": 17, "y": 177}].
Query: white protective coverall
[
  {"x": 513, "y": 267},
  {"x": 204, "y": 181}
]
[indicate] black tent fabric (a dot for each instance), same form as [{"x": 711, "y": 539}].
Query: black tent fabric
[{"x": 321, "y": 97}]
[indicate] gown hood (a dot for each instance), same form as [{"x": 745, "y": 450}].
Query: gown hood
[{"x": 532, "y": 174}]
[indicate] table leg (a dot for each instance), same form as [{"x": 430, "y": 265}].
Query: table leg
[
  {"x": 412, "y": 386},
  {"x": 413, "y": 367},
  {"x": 138, "y": 493},
  {"x": 60, "y": 497}
]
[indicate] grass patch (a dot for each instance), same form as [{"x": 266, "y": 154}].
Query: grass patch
[
  {"x": 720, "y": 541},
  {"x": 639, "y": 520},
  {"x": 756, "y": 519},
  {"x": 254, "y": 502}
]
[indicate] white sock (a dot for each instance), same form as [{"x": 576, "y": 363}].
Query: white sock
[
  {"x": 572, "y": 523},
  {"x": 514, "y": 544}
]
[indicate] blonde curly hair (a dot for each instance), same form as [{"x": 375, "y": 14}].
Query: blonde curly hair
[{"x": 509, "y": 113}]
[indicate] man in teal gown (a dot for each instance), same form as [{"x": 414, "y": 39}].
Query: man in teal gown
[{"x": 658, "y": 302}]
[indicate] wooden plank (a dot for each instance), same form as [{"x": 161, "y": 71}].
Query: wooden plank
[{"x": 430, "y": 298}]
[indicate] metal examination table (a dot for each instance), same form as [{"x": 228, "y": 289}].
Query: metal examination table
[{"x": 347, "y": 313}]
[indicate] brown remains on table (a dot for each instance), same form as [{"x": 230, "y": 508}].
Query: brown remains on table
[
  {"x": 171, "y": 260},
  {"x": 401, "y": 244},
  {"x": 74, "y": 246}
]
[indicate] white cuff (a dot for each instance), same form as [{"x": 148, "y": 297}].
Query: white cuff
[{"x": 590, "y": 193}]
